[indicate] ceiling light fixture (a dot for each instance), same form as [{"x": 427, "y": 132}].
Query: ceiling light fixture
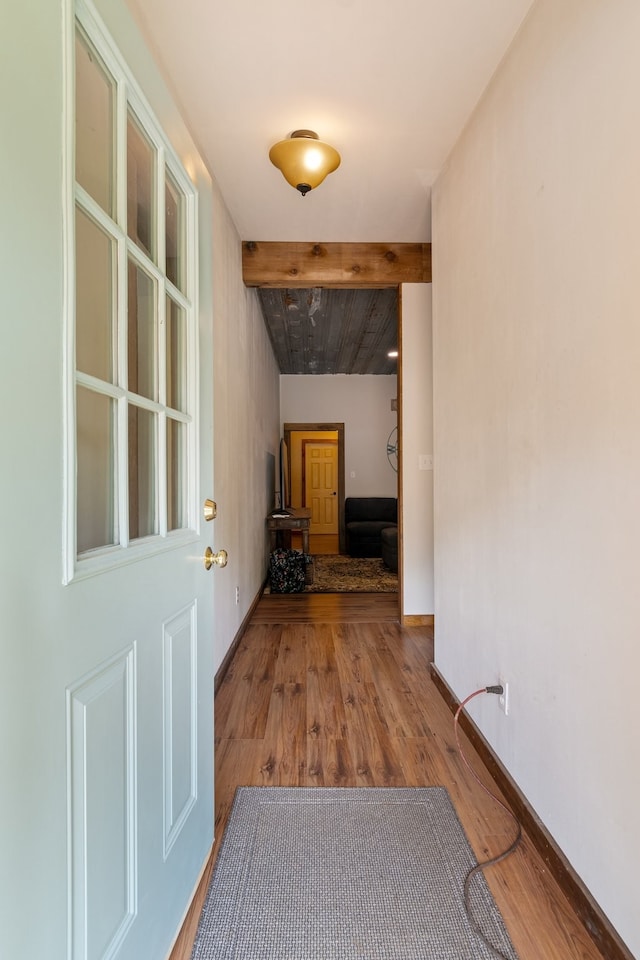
[{"x": 304, "y": 160}]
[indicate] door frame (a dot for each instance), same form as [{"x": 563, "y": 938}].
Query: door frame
[{"x": 290, "y": 428}]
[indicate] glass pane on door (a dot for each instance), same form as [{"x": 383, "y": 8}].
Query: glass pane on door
[
  {"x": 175, "y": 233},
  {"x": 141, "y": 338},
  {"x": 176, "y": 356},
  {"x": 176, "y": 474},
  {"x": 96, "y": 455},
  {"x": 95, "y": 299},
  {"x": 141, "y": 189},
  {"x": 95, "y": 109},
  {"x": 143, "y": 512},
  {"x": 133, "y": 317}
]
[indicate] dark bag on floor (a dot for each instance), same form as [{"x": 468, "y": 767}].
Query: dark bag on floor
[{"x": 287, "y": 571}]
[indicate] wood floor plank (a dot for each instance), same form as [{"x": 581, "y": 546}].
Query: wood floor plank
[
  {"x": 397, "y": 704},
  {"x": 325, "y": 709},
  {"x": 329, "y": 764},
  {"x": 247, "y": 687},
  {"x": 291, "y": 663},
  {"x": 330, "y": 690},
  {"x": 326, "y": 608},
  {"x": 286, "y": 731}
]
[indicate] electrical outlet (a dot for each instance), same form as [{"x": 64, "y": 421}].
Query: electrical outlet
[
  {"x": 503, "y": 699},
  {"x": 237, "y": 595}
]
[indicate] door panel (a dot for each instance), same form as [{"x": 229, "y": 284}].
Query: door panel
[
  {"x": 180, "y": 722},
  {"x": 321, "y": 485},
  {"x": 102, "y": 785}
]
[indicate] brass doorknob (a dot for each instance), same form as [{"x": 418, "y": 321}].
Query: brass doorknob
[{"x": 220, "y": 558}]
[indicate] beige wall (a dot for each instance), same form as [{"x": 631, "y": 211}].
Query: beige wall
[
  {"x": 363, "y": 404},
  {"x": 537, "y": 415},
  {"x": 417, "y": 442},
  {"x": 246, "y": 432}
]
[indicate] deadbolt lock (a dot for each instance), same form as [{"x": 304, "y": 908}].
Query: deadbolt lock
[{"x": 210, "y": 509}]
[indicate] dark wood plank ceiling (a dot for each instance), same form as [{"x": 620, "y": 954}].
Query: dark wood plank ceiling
[{"x": 319, "y": 330}]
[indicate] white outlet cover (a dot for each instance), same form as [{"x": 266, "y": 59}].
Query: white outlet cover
[{"x": 503, "y": 699}]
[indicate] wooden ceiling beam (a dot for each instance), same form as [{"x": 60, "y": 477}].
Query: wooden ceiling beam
[{"x": 349, "y": 265}]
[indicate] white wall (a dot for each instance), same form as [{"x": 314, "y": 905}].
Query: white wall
[
  {"x": 246, "y": 432},
  {"x": 537, "y": 425},
  {"x": 363, "y": 404},
  {"x": 417, "y": 441}
]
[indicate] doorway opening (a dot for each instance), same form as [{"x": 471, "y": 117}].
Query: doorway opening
[{"x": 316, "y": 481}]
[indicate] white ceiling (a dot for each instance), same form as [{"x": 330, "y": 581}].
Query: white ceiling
[{"x": 389, "y": 83}]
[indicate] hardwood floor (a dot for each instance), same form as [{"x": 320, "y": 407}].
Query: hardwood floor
[
  {"x": 326, "y": 608},
  {"x": 330, "y": 690}
]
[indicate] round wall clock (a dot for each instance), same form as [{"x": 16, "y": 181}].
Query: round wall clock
[{"x": 392, "y": 449}]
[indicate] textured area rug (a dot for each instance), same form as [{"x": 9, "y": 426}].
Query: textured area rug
[
  {"x": 338, "y": 574},
  {"x": 314, "y": 873}
]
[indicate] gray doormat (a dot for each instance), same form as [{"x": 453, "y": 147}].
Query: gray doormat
[{"x": 313, "y": 873}]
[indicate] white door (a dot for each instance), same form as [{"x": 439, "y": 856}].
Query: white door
[{"x": 107, "y": 680}]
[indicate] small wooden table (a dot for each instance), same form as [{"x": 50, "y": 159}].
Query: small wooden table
[{"x": 298, "y": 518}]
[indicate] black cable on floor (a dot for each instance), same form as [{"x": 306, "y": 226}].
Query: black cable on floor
[{"x": 501, "y": 856}]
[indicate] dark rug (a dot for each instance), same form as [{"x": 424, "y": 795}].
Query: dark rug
[
  {"x": 339, "y": 574},
  {"x": 368, "y": 873}
]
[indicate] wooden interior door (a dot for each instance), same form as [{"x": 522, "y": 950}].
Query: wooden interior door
[{"x": 320, "y": 460}]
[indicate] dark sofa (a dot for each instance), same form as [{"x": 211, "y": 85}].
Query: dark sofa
[{"x": 365, "y": 518}]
